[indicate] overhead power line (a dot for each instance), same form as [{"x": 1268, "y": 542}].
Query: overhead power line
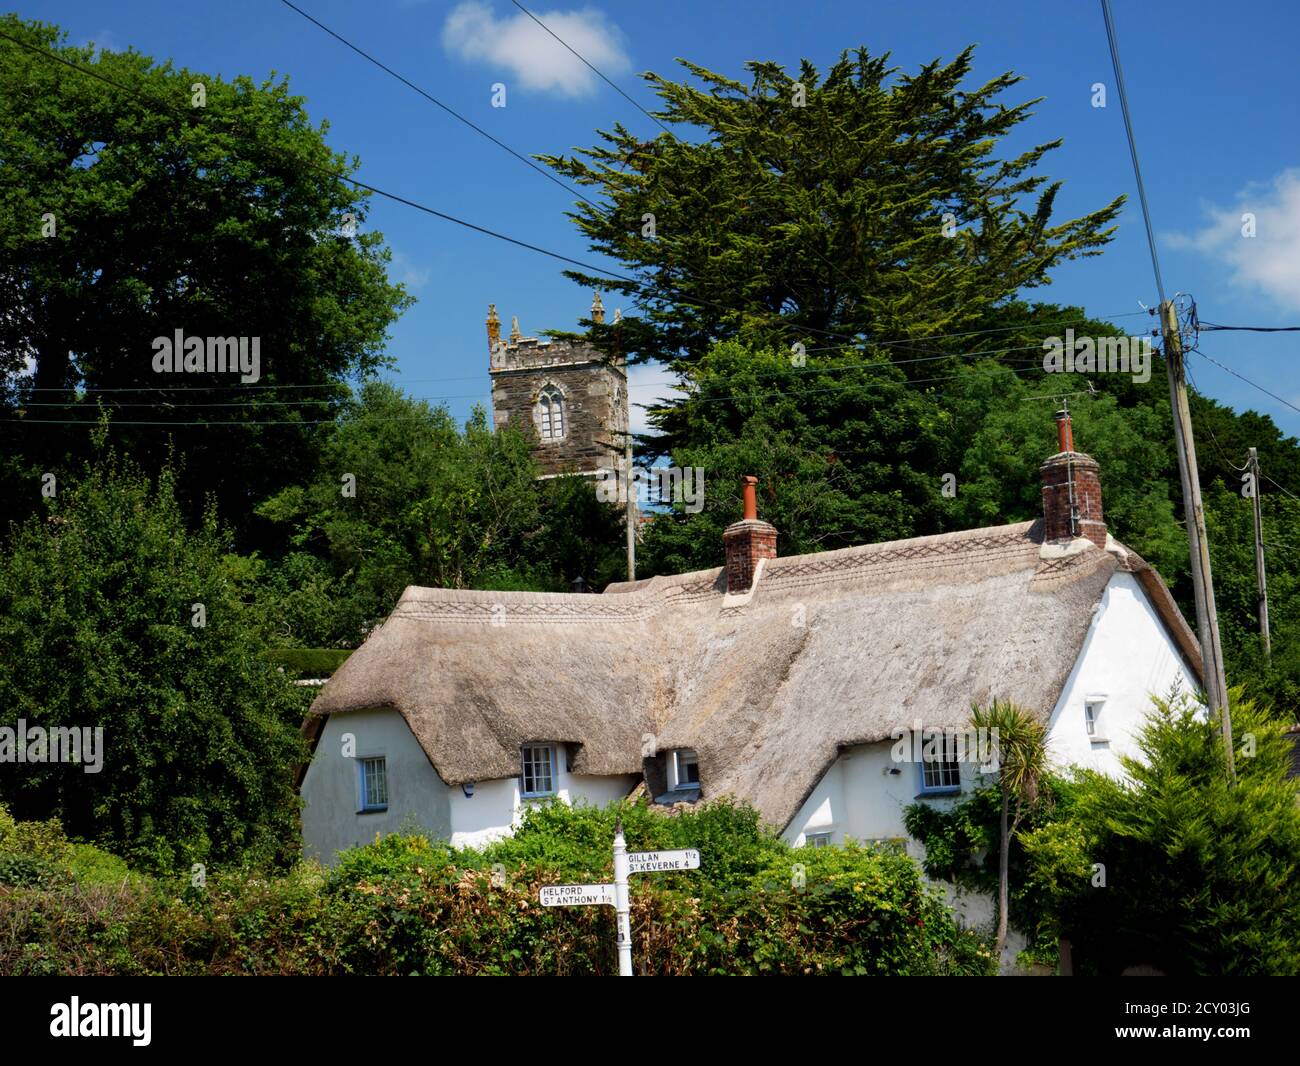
[
  {"x": 1247, "y": 380},
  {"x": 1210, "y": 327},
  {"x": 728, "y": 395},
  {"x": 1132, "y": 143},
  {"x": 181, "y": 113},
  {"x": 434, "y": 100},
  {"x": 604, "y": 273},
  {"x": 598, "y": 74},
  {"x": 813, "y": 368}
]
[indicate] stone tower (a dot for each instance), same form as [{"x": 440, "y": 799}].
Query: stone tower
[{"x": 568, "y": 398}]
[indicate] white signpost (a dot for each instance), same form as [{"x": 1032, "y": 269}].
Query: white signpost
[
  {"x": 615, "y": 895},
  {"x": 577, "y": 895},
  {"x": 657, "y": 862}
]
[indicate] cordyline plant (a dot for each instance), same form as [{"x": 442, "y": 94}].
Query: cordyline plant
[{"x": 1021, "y": 757}]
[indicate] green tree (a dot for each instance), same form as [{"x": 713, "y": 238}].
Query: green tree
[
  {"x": 115, "y": 615},
  {"x": 1200, "y": 873},
  {"x": 1020, "y": 750},
  {"x": 1274, "y": 682},
  {"x": 844, "y": 451},
  {"x": 867, "y": 203},
  {"x": 127, "y": 213},
  {"x": 406, "y": 497}
]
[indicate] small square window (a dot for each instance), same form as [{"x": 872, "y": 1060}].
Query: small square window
[
  {"x": 941, "y": 772},
  {"x": 688, "y": 769},
  {"x": 538, "y": 770},
  {"x": 817, "y": 840},
  {"x": 374, "y": 783}
]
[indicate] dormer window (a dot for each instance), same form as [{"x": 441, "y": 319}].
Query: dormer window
[
  {"x": 684, "y": 769},
  {"x": 550, "y": 414}
]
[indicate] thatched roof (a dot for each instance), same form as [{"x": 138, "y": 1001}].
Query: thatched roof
[{"x": 830, "y": 650}]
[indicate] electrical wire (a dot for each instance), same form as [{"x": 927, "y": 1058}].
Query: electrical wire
[
  {"x": 1211, "y": 327},
  {"x": 987, "y": 353},
  {"x": 1247, "y": 380},
  {"x": 434, "y": 100},
  {"x": 734, "y": 396},
  {"x": 1132, "y": 144},
  {"x": 607, "y": 275},
  {"x": 598, "y": 74}
]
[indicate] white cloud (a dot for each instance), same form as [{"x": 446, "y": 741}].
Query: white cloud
[
  {"x": 535, "y": 58},
  {"x": 410, "y": 275},
  {"x": 1266, "y": 262}
]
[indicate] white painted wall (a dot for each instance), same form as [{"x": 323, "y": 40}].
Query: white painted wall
[
  {"x": 331, "y": 786},
  {"x": 1127, "y": 657},
  {"x": 860, "y": 797},
  {"x": 417, "y": 796},
  {"x": 497, "y": 807}
]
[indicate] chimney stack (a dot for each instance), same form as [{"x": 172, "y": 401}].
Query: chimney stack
[
  {"x": 1071, "y": 491},
  {"x": 747, "y": 541}
]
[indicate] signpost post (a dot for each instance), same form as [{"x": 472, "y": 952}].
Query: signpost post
[
  {"x": 616, "y": 895},
  {"x": 622, "y": 907}
]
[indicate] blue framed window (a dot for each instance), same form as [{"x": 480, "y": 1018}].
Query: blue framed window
[
  {"x": 374, "y": 783},
  {"x": 941, "y": 772},
  {"x": 538, "y": 778},
  {"x": 817, "y": 840}
]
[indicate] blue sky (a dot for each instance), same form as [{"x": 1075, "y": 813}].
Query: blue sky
[{"x": 1214, "y": 90}]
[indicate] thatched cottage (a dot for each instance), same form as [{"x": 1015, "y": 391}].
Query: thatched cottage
[{"x": 786, "y": 682}]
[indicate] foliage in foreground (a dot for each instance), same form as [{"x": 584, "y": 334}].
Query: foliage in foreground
[
  {"x": 116, "y": 617},
  {"x": 1175, "y": 867},
  {"x": 408, "y": 905}
]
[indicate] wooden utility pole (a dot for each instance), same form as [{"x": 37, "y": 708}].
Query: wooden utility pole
[
  {"x": 630, "y": 513},
  {"x": 1207, "y": 619},
  {"x": 1261, "y": 582}
]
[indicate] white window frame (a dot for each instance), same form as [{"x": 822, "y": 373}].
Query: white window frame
[
  {"x": 679, "y": 781},
  {"x": 945, "y": 767},
  {"x": 365, "y": 804},
  {"x": 524, "y": 763},
  {"x": 1094, "y": 709},
  {"x": 551, "y": 414},
  {"x": 822, "y": 838}
]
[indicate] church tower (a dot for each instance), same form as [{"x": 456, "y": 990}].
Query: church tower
[{"x": 568, "y": 398}]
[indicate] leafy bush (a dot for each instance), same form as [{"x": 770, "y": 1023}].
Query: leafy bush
[
  {"x": 1175, "y": 867},
  {"x": 409, "y": 905},
  {"x": 1200, "y": 873},
  {"x": 199, "y": 731},
  {"x": 309, "y": 662}
]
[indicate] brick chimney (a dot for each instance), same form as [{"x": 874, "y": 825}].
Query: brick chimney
[
  {"x": 747, "y": 541},
  {"x": 1071, "y": 491}
]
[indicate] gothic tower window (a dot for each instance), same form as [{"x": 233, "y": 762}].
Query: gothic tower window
[
  {"x": 619, "y": 416},
  {"x": 550, "y": 413}
]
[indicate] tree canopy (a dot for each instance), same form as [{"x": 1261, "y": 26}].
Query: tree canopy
[
  {"x": 133, "y": 206},
  {"x": 863, "y": 204},
  {"x": 115, "y": 614}
]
